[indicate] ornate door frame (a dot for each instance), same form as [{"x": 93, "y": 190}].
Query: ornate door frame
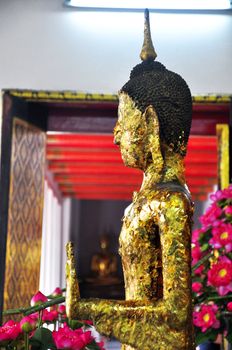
[{"x": 21, "y": 192}]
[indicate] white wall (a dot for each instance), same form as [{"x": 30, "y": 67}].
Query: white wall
[
  {"x": 55, "y": 235},
  {"x": 46, "y": 46}
]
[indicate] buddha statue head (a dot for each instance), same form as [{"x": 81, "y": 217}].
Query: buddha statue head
[{"x": 155, "y": 111}]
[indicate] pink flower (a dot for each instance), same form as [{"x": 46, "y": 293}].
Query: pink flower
[
  {"x": 196, "y": 235},
  {"x": 38, "y": 298},
  {"x": 228, "y": 210},
  {"x": 211, "y": 214},
  {"x": 222, "y": 194},
  {"x": 35, "y": 316},
  {"x": 62, "y": 338},
  {"x": 205, "y": 318},
  {"x": 57, "y": 291},
  {"x": 9, "y": 331},
  {"x": 196, "y": 252},
  {"x": 196, "y": 287},
  {"x": 101, "y": 345},
  {"x": 61, "y": 309},
  {"x": 222, "y": 236},
  {"x": 199, "y": 270},
  {"x": 28, "y": 324},
  {"x": 220, "y": 275},
  {"x": 82, "y": 340},
  {"x": 66, "y": 338},
  {"x": 196, "y": 256},
  {"x": 49, "y": 316},
  {"x": 229, "y": 306}
]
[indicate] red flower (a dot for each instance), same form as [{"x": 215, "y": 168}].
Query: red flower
[
  {"x": 61, "y": 309},
  {"x": 196, "y": 252},
  {"x": 222, "y": 194},
  {"x": 196, "y": 235},
  {"x": 62, "y": 338},
  {"x": 220, "y": 275},
  {"x": 205, "y": 317},
  {"x": 66, "y": 338},
  {"x": 28, "y": 324},
  {"x": 196, "y": 256},
  {"x": 228, "y": 210},
  {"x": 57, "y": 291},
  {"x": 229, "y": 306},
  {"x": 222, "y": 236},
  {"x": 9, "y": 331},
  {"x": 38, "y": 298},
  {"x": 199, "y": 270},
  {"x": 211, "y": 214},
  {"x": 196, "y": 287},
  {"x": 213, "y": 240},
  {"x": 81, "y": 340},
  {"x": 49, "y": 316},
  {"x": 35, "y": 316},
  {"x": 101, "y": 345}
]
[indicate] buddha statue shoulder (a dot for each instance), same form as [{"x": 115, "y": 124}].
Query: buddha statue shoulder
[{"x": 154, "y": 121}]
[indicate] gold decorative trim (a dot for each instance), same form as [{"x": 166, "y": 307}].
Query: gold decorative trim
[
  {"x": 212, "y": 98},
  {"x": 62, "y": 95},
  {"x": 70, "y": 96},
  {"x": 222, "y": 131}
]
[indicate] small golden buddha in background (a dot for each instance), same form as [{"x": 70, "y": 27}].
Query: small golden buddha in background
[{"x": 104, "y": 264}]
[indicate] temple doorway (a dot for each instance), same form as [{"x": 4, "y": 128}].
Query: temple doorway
[{"x": 63, "y": 142}]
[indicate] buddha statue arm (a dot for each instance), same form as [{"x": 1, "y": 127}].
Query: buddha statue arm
[
  {"x": 175, "y": 235},
  {"x": 121, "y": 319},
  {"x": 137, "y": 325}
]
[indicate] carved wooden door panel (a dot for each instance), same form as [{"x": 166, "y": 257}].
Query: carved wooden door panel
[{"x": 21, "y": 207}]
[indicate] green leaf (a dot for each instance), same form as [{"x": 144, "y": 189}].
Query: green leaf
[
  {"x": 197, "y": 278},
  {"x": 43, "y": 338},
  {"x": 74, "y": 324},
  {"x": 209, "y": 335},
  {"x": 34, "y": 344},
  {"x": 202, "y": 261},
  {"x": 221, "y": 203},
  {"x": 229, "y": 330},
  {"x": 92, "y": 346},
  {"x": 204, "y": 247}
]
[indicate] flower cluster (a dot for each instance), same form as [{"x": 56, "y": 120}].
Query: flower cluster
[
  {"x": 9, "y": 331},
  {"x": 212, "y": 269},
  {"x": 66, "y": 338},
  {"x": 34, "y": 330}
]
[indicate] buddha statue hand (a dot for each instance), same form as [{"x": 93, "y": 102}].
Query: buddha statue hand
[{"x": 72, "y": 287}]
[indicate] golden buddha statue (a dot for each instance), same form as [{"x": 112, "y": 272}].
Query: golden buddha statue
[
  {"x": 103, "y": 265},
  {"x": 155, "y": 110}
]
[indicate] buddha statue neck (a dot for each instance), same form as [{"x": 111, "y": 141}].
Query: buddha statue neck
[{"x": 173, "y": 170}]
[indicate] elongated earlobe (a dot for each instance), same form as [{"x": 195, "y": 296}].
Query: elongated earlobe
[{"x": 153, "y": 141}]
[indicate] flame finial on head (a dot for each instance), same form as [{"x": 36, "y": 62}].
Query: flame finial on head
[{"x": 148, "y": 51}]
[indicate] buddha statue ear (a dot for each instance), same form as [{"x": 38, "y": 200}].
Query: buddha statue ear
[{"x": 153, "y": 143}]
